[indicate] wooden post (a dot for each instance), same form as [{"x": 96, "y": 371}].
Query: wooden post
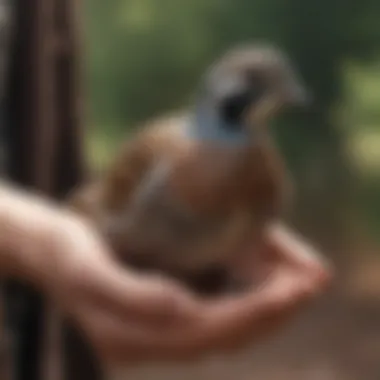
[{"x": 45, "y": 155}]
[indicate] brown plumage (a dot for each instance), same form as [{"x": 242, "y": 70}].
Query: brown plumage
[{"x": 188, "y": 192}]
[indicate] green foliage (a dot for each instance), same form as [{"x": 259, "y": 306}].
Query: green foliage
[{"x": 145, "y": 56}]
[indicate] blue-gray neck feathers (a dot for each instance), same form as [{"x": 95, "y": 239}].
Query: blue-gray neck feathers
[{"x": 205, "y": 124}]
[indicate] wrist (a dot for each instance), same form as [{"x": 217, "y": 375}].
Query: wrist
[{"x": 27, "y": 228}]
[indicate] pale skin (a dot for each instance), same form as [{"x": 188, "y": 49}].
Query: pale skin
[{"x": 130, "y": 318}]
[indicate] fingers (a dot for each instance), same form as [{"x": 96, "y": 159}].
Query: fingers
[
  {"x": 120, "y": 341},
  {"x": 292, "y": 247},
  {"x": 192, "y": 326},
  {"x": 131, "y": 295},
  {"x": 245, "y": 317},
  {"x": 281, "y": 246},
  {"x": 132, "y": 317},
  {"x": 212, "y": 326}
]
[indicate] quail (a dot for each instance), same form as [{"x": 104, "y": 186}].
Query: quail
[{"x": 190, "y": 191}]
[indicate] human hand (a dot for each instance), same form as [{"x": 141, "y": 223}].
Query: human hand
[{"x": 129, "y": 317}]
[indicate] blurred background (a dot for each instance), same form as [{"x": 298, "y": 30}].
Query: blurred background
[{"x": 144, "y": 58}]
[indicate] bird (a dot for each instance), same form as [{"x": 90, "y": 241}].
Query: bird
[{"x": 189, "y": 191}]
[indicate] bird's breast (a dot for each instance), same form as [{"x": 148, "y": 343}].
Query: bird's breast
[
  {"x": 165, "y": 230},
  {"x": 218, "y": 179},
  {"x": 196, "y": 210}
]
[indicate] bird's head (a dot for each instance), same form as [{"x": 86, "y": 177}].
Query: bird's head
[{"x": 248, "y": 86}]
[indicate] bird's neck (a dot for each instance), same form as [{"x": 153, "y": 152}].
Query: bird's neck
[{"x": 205, "y": 124}]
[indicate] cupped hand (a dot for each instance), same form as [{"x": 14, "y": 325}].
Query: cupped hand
[{"x": 130, "y": 317}]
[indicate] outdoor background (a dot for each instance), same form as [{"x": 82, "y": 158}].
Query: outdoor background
[{"x": 143, "y": 58}]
